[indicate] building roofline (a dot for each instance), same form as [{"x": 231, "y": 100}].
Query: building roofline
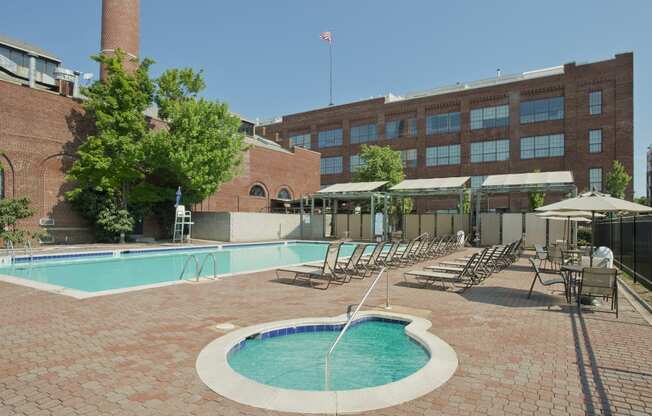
[
  {"x": 29, "y": 48},
  {"x": 447, "y": 89}
]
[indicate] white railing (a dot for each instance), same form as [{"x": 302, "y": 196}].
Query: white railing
[{"x": 349, "y": 321}]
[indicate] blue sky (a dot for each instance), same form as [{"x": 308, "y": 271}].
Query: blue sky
[{"x": 265, "y": 58}]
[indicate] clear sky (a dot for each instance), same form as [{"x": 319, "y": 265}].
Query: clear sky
[{"x": 265, "y": 57}]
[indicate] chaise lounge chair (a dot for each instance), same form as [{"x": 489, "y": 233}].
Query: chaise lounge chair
[{"x": 326, "y": 273}]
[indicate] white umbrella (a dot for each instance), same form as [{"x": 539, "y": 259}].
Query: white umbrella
[
  {"x": 575, "y": 216},
  {"x": 595, "y": 202}
]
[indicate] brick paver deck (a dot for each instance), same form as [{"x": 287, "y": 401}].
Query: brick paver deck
[{"x": 134, "y": 353}]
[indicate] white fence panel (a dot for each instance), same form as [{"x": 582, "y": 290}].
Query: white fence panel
[
  {"x": 512, "y": 227},
  {"x": 489, "y": 228},
  {"x": 535, "y": 230}
]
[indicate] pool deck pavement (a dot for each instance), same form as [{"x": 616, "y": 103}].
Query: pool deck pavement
[{"x": 134, "y": 353}]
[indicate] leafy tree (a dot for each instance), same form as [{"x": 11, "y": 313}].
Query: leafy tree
[
  {"x": 126, "y": 169},
  {"x": 466, "y": 203},
  {"x": 641, "y": 200},
  {"x": 11, "y": 211},
  {"x": 381, "y": 163},
  {"x": 617, "y": 180},
  {"x": 536, "y": 198}
]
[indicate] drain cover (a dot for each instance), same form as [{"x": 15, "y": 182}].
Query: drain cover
[{"x": 226, "y": 326}]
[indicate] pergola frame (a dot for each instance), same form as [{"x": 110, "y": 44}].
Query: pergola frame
[{"x": 486, "y": 190}]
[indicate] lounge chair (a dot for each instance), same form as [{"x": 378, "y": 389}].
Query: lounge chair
[
  {"x": 354, "y": 267},
  {"x": 547, "y": 282},
  {"x": 465, "y": 277},
  {"x": 371, "y": 262},
  {"x": 326, "y": 273}
]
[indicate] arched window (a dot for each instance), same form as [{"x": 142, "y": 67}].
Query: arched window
[
  {"x": 284, "y": 194},
  {"x": 258, "y": 191}
]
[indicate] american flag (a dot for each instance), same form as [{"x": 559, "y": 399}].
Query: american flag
[{"x": 327, "y": 36}]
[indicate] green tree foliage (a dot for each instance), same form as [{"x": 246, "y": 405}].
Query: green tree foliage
[
  {"x": 466, "y": 202},
  {"x": 617, "y": 180},
  {"x": 536, "y": 198},
  {"x": 11, "y": 211},
  {"x": 381, "y": 163},
  {"x": 641, "y": 200},
  {"x": 127, "y": 169}
]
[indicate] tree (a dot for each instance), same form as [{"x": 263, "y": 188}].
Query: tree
[
  {"x": 126, "y": 169},
  {"x": 11, "y": 211},
  {"x": 641, "y": 200},
  {"x": 380, "y": 163},
  {"x": 466, "y": 203},
  {"x": 617, "y": 180},
  {"x": 536, "y": 198}
]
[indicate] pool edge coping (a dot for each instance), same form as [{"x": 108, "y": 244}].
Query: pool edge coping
[{"x": 213, "y": 369}]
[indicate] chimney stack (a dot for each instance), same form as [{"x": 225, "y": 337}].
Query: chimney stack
[{"x": 121, "y": 30}]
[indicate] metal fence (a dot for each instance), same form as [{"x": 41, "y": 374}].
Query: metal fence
[{"x": 630, "y": 239}]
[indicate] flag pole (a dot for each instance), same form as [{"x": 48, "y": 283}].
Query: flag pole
[{"x": 330, "y": 55}]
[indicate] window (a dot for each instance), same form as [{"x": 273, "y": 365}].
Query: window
[
  {"x": 595, "y": 141},
  {"x": 399, "y": 128},
  {"x": 363, "y": 133},
  {"x": 476, "y": 181},
  {"x": 330, "y": 138},
  {"x": 284, "y": 194},
  {"x": 595, "y": 102},
  {"x": 301, "y": 140},
  {"x": 536, "y": 147},
  {"x": 257, "y": 190},
  {"x": 50, "y": 67},
  {"x": 409, "y": 158},
  {"x": 595, "y": 179},
  {"x": 330, "y": 165},
  {"x": 490, "y": 151},
  {"x": 355, "y": 163},
  {"x": 443, "y": 155},
  {"x": 542, "y": 110},
  {"x": 19, "y": 58},
  {"x": 489, "y": 117},
  {"x": 443, "y": 123}
]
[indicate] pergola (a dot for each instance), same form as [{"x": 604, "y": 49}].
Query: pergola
[
  {"x": 557, "y": 181},
  {"x": 414, "y": 188},
  {"x": 352, "y": 191}
]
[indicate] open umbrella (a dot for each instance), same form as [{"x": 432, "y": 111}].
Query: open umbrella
[
  {"x": 568, "y": 216},
  {"x": 595, "y": 202}
]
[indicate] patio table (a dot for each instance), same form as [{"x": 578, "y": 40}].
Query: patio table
[{"x": 573, "y": 272}]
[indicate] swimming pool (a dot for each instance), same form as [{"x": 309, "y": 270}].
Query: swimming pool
[
  {"x": 118, "y": 270},
  {"x": 373, "y": 352}
]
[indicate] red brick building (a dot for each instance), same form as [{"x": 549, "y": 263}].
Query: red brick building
[
  {"x": 576, "y": 117},
  {"x": 41, "y": 126}
]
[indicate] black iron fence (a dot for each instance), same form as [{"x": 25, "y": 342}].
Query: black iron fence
[{"x": 630, "y": 239}]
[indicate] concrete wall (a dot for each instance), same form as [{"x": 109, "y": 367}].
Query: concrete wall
[{"x": 254, "y": 226}]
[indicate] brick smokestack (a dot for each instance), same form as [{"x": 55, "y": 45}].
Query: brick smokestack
[{"x": 121, "y": 30}]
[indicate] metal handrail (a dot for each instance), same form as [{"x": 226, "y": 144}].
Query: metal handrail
[
  {"x": 12, "y": 252},
  {"x": 185, "y": 265},
  {"x": 203, "y": 263},
  {"x": 348, "y": 323},
  {"x": 29, "y": 252}
]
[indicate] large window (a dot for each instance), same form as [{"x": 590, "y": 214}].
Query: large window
[
  {"x": 536, "y": 147},
  {"x": 330, "y": 165},
  {"x": 301, "y": 140},
  {"x": 363, "y": 133},
  {"x": 330, "y": 138},
  {"x": 443, "y": 155},
  {"x": 476, "y": 181},
  {"x": 409, "y": 158},
  {"x": 595, "y": 141},
  {"x": 488, "y": 117},
  {"x": 490, "y": 151},
  {"x": 399, "y": 128},
  {"x": 595, "y": 102},
  {"x": 355, "y": 163},
  {"x": 443, "y": 123},
  {"x": 595, "y": 179},
  {"x": 542, "y": 110}
]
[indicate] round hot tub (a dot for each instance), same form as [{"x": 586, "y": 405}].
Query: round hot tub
[{"x": 382, "y": 360}]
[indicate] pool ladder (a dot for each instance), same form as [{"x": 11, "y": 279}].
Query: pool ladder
[
  {"x": 29, "y": 252},
  {"x": 199, "y": 267},
  {"x": 349, "y": 321}
]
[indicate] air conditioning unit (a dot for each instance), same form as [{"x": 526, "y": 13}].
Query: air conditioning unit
[{"x": 46, "y": 222}]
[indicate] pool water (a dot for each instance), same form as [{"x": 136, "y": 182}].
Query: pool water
[
  {"x": 373, "y": 352},
  {"x": 130, "y": 270}
]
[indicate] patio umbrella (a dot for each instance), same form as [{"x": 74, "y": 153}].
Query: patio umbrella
[
  {"x": 568, "y": 216},
  {"x": 595, "y": 202}
]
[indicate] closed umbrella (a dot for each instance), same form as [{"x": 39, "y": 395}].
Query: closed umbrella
[{"x": 595, "y": 202}]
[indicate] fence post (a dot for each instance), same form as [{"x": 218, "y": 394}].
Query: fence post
[
  {"x": 634, "y": 248},
  {"x": 621, "y": 239}
]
